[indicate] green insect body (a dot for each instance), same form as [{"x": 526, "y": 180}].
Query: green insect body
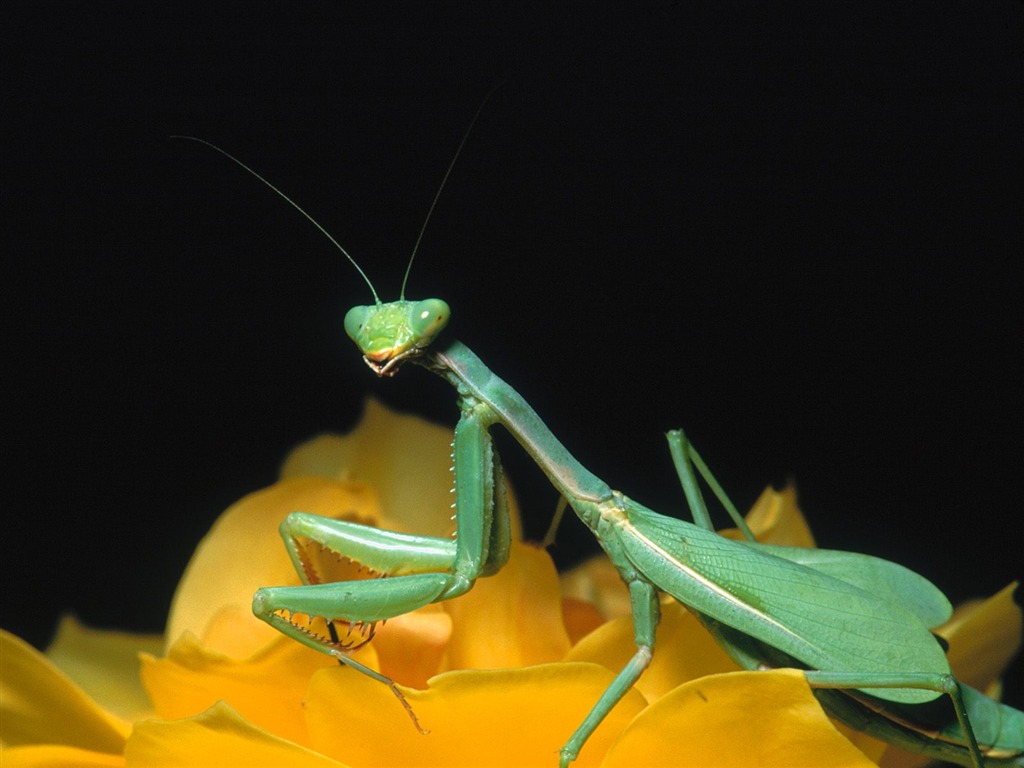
[{"x": 857, "y": 625}]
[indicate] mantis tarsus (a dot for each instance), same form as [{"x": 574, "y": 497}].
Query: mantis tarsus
[{"x": 872, "y": 660}]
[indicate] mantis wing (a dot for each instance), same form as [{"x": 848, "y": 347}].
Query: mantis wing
[
  {"x": 873, "y": 575},
  {"x": 828, "y": 623}
]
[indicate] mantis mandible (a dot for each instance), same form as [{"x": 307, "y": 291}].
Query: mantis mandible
[{"x": 870, "y": 657}]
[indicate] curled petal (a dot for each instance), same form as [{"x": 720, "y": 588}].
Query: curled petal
[
  {"x": 776, "y": 518},
  {"x": 736, "y": 719},
  {"x": 983, "y": 636},
  {"x": 243, "y": 551},
  {"x": 684, "y": 650},
  {"x": 39, "y": 704},
  {"x": 513, "y": 618},
  {"x": 267, "y": 688},
  {"x": 411, "y": 647},
  {"x": 596, "y": 581},
  {"x": 217, "y": 738},
  {"x": 509, "y": 717},
  {"x": 105, "y": 664},
  {"x": 581, "y": 618},
  {"x": 405, "y": 458},
  {"x": 59, "y": 756}
]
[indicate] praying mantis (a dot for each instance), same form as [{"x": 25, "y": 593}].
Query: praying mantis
[{"x": 858, "y": 626}]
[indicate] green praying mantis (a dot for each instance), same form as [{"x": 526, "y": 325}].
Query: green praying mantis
[{"x": 858, "y": 626}]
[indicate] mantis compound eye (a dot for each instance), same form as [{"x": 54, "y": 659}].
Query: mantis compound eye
[
  {"x": 428, "y": 317},
  {"x": 355, "y": 318}
]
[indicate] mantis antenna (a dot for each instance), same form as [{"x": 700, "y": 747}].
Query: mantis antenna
[
  {"x": 327, "y": 234},
  {"x": 440, "y": 189},
  {"x": 292, "y": 203}
]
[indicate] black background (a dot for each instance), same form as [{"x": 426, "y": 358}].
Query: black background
[{"x": 792, "y": 228}]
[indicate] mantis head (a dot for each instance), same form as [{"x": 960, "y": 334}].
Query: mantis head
[{"x": 389, "y": 334}]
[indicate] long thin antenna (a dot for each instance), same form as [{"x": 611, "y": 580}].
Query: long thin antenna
[
  {"x": 440, "y": 189},
  {"x": 293, "y": 204}
]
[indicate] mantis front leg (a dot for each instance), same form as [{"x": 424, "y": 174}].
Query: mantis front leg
[{"x": 418, "y": 570}]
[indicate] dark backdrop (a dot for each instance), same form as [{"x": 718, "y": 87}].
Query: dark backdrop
[{"x": 792, "y": 228}]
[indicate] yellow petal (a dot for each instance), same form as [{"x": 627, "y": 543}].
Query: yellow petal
[
  {"x": 218, "y": 738},
  {"x": 405, "y": 458},
  {"x": 874, "y": 749},
  {"x": 738, "y": 719},
  {"x": 581, "y": 618},
  {"x": 512, "y": 717},
  {"x": 596, "y": 581},
  {"x": 267, "y": 689},
  {"x": 105, "y": 664},
  {"x": 40, "y": 705},
  {"x": 776, "y": 518},
  {"x": 983, "y": 636},
  {"x": 243, "y": 552},
  {"x": 58, "y": 756},
  {"x": 411, "y": 647},
  {"x": 895, "y": 757},
  {"x": 511, "y": 619},
  {"x": 683, "y": 650}
]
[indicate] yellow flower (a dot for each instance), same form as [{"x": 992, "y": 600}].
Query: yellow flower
[{"x": 500, "y": 676}]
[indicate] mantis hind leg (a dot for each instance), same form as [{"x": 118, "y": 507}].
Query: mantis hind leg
[
  {"x": 944, "y": 684},
  {"x": 685, "y": 458}
]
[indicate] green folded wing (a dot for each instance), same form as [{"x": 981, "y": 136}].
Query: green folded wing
[
  {"x": 874, "y": 575},
  {"x": 825, "y": 622}
]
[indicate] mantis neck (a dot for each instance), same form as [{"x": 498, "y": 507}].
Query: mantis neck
[{"x": 466, "y": 372}]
